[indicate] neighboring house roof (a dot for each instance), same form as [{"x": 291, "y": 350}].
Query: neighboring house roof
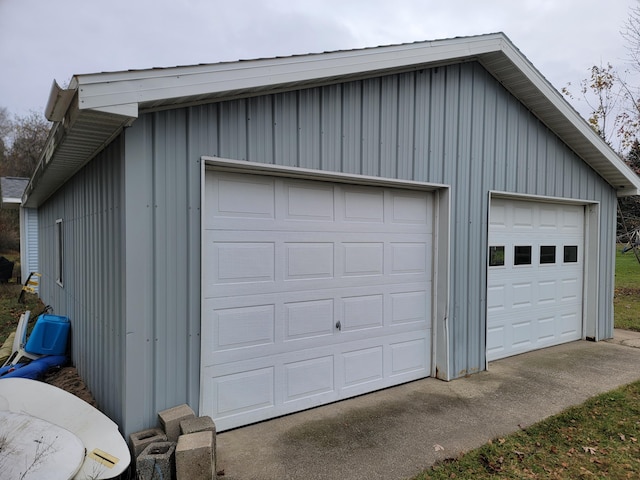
[
  {"x": 11, "y": 189},
  {"x": 95, "y": 107}
]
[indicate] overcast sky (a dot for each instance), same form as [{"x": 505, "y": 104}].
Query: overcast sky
[{"x": 43, "y": 40}]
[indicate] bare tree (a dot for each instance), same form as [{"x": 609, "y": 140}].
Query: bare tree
[
  {"x": 24, "y": 139},
  {"x": 604, "y": 95}
]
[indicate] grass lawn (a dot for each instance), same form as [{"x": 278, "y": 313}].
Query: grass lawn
[
  {"x": 626, "y": 301},
  {"x": 598, "y": 439}
]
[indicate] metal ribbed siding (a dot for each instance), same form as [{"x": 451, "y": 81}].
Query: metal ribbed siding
[
  {"x": 162, "y": 188},
  {"x": 29, "y": 242},
  {"x": 93, "y": 292}
]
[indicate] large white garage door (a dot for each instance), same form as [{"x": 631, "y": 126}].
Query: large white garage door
[
  {"x": 535, "y": 276},
  {"x": 312, "y": 292}
]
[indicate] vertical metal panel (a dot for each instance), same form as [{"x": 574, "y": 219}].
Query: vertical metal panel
[
  {"x": 451, "y": 132},
  {"x": 352, "y": 127},
  {"x": 140, "y": 273},
  {"x": 309, "y": 128},
  {"x": 90, "y": 205},
  {"x": 434, "y": 154},
  {"x": 163, "y": 247},
  {"x": 285, "y": 129},
  {"x": 499, "y": 171},
  {"x": 28, "y": 242},
  {"x": 421, "y": 134},
  {"x": 260, "y": 129},
  {"x": 388, "y": 126},
  {"x": 405, "y": 127},
  {"x": 371, "y": 127},
  {"x": 331, "y": 128},
  {"x": 233, "y": 129}
]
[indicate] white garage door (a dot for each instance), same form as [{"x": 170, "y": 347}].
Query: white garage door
[
  {"x": 535, "y": 277},
  {"x": 312, "y": 292}
]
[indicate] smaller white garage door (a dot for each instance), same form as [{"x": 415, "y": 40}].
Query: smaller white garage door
[
  {"x": 535, "y": 276},
  {"x": 312, "y": 292}
]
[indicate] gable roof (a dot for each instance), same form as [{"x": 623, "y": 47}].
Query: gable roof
[
  {"x": 95, "y": 107},
  {"x": 11, "y": 190}
]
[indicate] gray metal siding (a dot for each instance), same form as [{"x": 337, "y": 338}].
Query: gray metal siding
[
  {"x": 162, "y": 188},
  {"x": 90, "y": 205}
]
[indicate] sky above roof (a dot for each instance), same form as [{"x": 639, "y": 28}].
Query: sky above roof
[{"x": 43, "y": 40}]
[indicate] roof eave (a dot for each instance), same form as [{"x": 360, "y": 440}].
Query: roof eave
[
  {"x": 68, "y": 148},
  {"x": 10, "y": 203},
  {"x": 107, "y": 102}
]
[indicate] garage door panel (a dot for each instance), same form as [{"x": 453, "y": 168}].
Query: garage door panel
[
  {"x": 521, "y": 295},
  {"x": 410, "y": 209},
  {"x": 548, "y": 218},
  {"x": 362, "y": 312},
  {"x": 241, "y": 392},
  {"x": 570, "y": 289},
  {"x": 521, "y": 334},
  {"x": 522, "y": 218},
  {"x": 244, "y": 327},
  {"x": 308, "y": 319},
  {"x": 546, "y": 328},
  {"x": 311, "y": 203},
  {"x": 308, "y": 260},
  {"x": 409, "y": 307},
  {"x": 362, "y": 205},
  {"x": 547, "y": 292},
  {"x": 408, "y": 357},
  {"x": 309, "y": 378},
  {"x": 243, "y": 262},
  {"x": 239, "y": 197},
  {"x": 363, "y": 366},
  {"x": 409, "y": 258},
  {"x": 539, "y": 304},
  {"x": 363, "y": 258},
  {"x": 325, "y": 296}
]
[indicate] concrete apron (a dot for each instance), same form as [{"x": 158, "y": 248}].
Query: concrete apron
[{"x": 398, "y": 432}]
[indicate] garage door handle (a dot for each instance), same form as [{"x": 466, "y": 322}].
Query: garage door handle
[{"x": 338, "y": 325}]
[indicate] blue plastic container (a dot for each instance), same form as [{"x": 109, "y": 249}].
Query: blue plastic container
[{"x": 49, "y": 336}]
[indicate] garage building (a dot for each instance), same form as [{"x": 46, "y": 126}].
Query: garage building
[{"x": 259, "y": 237}]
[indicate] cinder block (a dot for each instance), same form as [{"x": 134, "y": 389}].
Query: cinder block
[
  {"x": 156, "y": 462},
  {"x": 140, "y": 440},
  {"x": 200, "y": 424},
  {"x": 197, "y": 424},
  {"x": 170, "y": 420},
  {"x": 194, "y": 457}
]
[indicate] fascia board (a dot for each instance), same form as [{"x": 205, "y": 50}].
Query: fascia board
[
  {"x": 564, "y": 108},
  {"x": 110, "y": 89}
]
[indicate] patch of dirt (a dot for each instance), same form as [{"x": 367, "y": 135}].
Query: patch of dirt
[
  {"x": 67, "y": 379},
  {"x": 626, "y": 292}
]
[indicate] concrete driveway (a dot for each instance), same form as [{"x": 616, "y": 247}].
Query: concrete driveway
[{"x": 398, "y": 432}]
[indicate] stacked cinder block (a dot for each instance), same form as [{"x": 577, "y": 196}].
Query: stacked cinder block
[
  {"x": 156, "y": 462},
  {"x": 196, "y": 449},
  {"x": 184, "y": 448},
  {"x": 170, "y": 420}
]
